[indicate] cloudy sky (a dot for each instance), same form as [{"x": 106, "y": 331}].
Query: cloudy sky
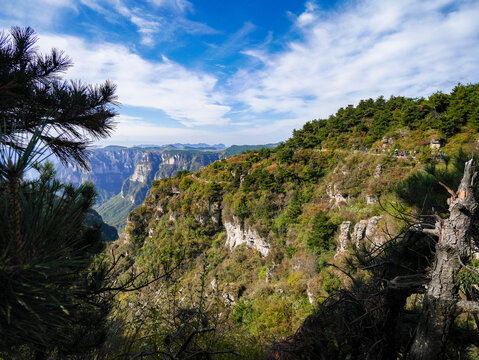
[{"x": 250, "y": 71}]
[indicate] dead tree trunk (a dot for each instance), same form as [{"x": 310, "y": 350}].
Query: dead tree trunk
[{"x": 441, "y": 299}]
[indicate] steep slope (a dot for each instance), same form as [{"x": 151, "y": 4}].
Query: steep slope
[
  {"x": 115, "y": 211},
  {"x": 267, "y": 223}
]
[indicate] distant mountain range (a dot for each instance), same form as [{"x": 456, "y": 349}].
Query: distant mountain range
[
  {"x": 186, "y": 146},
  {"x": 123, "y": 175}
]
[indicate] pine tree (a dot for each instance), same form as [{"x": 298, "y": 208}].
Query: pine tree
[
  {"x": 51, "y": 298},
  {"x": 32, "y": 95}
]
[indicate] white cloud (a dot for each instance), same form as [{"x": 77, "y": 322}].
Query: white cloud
[
  {"x": 134, "y": 130},
  {"x": 363, "y": 49},
  {"x": 233, "y": 44},
  {"x": 184, "y": 95},
  {"x": 374, "y": 48},
  {"x": 146, "y": 27},
  {"x": 179, "y": 6},
  {"x": 308, "y": 16},
  {"x": 157, "y": 21},
  {"x": 15, "y": 13}
]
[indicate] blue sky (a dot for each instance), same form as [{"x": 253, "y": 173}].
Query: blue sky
[{"x": 250, "y": 71}]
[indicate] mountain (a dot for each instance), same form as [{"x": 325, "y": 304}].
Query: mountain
[
  {"x": 123, "y": 176},
  {"x": 185, "y": 146},
  {"x": 109, "y": 168},
  {"x": 265, "y": 232}
]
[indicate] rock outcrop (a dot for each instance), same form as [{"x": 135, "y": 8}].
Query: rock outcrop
[
  {"x": 336, "y": 199},
  {"x": 371, "y": 199},
  {"x": 344, "y": 237},
  {"x": 359, "y": 231},
  {"x": 363, "y": 230},
  {"x": 366, "y": 229},
  {"x": 435, "y": 143},
  {"x": 237, "y": 235},
  {"x": 372, "y": 227}
]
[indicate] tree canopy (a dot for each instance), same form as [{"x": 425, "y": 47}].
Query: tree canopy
[{"x": 364, "y": 124}]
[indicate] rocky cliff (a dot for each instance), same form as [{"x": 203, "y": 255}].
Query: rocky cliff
[
  {"x": 155, "y": 165},
  {"x": 109, "y": 168}
]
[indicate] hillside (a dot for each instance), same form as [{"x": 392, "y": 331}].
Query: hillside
[
  {"x": 123, "y": 176},
  {"x": 259, "y": 229}
]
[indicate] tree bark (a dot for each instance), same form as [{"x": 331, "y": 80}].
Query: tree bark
[{"x": 441, "y": 297}]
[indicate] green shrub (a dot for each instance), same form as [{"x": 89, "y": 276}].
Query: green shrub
[
  {"x": 291, "y": 250},
  {"x": 321, "y": 237},
  {"x": 331, "y": 284},
  {"x": 242, "y": 312},
  {"x": 181, "y": 174},
  {"x": 242, "y": 209},
  {"x": 262, "y": 273},
  {"x": 185, "y": 183}
]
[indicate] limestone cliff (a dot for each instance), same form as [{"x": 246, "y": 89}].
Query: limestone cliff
[
  {"x": 109, "y": 167},
  {"x": 163, "y": 164},
  {"x": 238, "y": 235}
]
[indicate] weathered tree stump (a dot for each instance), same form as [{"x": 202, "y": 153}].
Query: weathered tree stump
[{"x": 441, "y": 299}]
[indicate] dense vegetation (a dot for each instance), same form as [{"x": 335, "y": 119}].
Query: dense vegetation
[{"x": 362, "y": 125}]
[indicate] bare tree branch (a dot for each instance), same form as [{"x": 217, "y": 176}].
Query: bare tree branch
[
  {"x": 152, "y": 352},
  {"x": 416, "y": 281},
  {"x": 192, "y": 335}
]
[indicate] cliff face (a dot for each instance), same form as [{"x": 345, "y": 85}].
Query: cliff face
[
  {"x": 163, "y": 164},
  {"x": 236, "y": 235},
  {"x": 109, "y": 168}
]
